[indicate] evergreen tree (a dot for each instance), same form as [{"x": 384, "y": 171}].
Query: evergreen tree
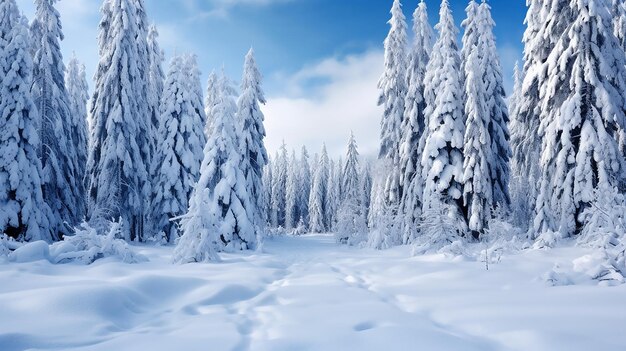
[
  {"x": 619, "y": 21},
  {"x": 332, "y": 196},
  {"x": 470, "y": 33},
  {"x": 156, "y": 80},
  {"x": 62, "y": 189},
  {"x": 477, "y": 191},
  {"x": 179, "y": 151},
  {"x": 304, "y": 189},
  {"x": 442, "y": 161},
  {"x": 219, "y": 216},
  {"x": 23, "y": 213},
  {"x": 267, "y": 193},
  {"x": 120, "y": 152},
  {"x": 210, "y": 100},
  {"x": 317, "y": 200},
  {"x": 366, "y": 187},
  {"x": 251, "y": 119},
  {"x": 352, "y": 216},
  {"x": 292, "y": 210},
  {"x": 496, "y": 108},
  {"x": 393, "y": 91},
  {"x": 279, "y": 187},
  {"x": 582, "y": 113},
  {"x": 414, "y": 118},
  {"x": 78, "y": 92},
  {"x": 520, "y": 185}
]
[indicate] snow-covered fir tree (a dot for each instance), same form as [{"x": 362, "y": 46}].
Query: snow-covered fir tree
[
  {"x": 317, "y": 199},
  {"x": 366, "y": 188},
  {"x": 210, "y": 99},
  {"x": 23, "y": 213},
  {"x": 219, "y": 217},
  {"x": 519, "y": 186},
  {"x": 63, "y": 190},
  {"x": 251, "y": 119},
  {"x": 477, "y": 182},
  {"x": 179, "y": 153},
  {"x": 267, "y": 193},
  {"x": 582, "y": 111},
  {"x": 304, "y": 189},
  {"x": 156, "y": 79},
  {"x": 279, "y": 187},
  {"x": 332, "y": 195},
  {"x": 497, "y": 108},
  {"x": 120, "y": 152},
  {"x": 619, "y": 21},
  {"x": 470, "y": 32},
  {"x": 78, "y": 92},
  {"x": 351, "y": 216},
  {"x": 442, "y": 160},
  {"x": 414, "y": 119},
  {"x": 393, "y": 90},
  {"x": 292, "y": 206}
]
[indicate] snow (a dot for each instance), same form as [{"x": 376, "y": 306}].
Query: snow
[{"x": 308, "y": 293}]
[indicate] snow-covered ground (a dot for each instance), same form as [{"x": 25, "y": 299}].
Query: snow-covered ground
[{"x": 307, "y": 293}]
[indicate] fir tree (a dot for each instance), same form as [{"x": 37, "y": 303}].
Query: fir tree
[
  {"x": 156, "y": 80},
  {"x": 442, "y": 161},
  {"x": 62, "y": 189},
  {"x": 120, "y": 151},
  {"x": 304, "y": 189},
  {"x": 218, "y": 218},
  {"x": 179, "y": 151},
  {"x": 23, "y": 213},
  {"x": 78, "y": 91},
  {"x": 582, "y": 113},
  {"x": 414, "y": 118},
  {"x": 251, "y": 119},
  {"x": 351, "y": 217},
  {"x": 317, "y": 200},
  {"x": 212, "y": 94},
  {"x": 393, "y": 91},
  {"x": 292, "y": 210}
]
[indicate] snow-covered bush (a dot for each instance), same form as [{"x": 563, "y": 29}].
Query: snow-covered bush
[{"x": 440, "y": 227}]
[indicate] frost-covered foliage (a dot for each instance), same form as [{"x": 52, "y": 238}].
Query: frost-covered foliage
[
  {"x": 383, "y": 219},
  {"x": 351, "y": 216},
  {"x": 333, "y": 194},
  {"x": 62, "y": 187},
  {"x": 414, "y": 121},
  {"x": 156, "y": 79},
  {"x": 317, "y": 199},
  {"x": 176, "y": 163},
  {"x": 619, "y": 21},
  {"x": 251, "y": 118},
  {"x": 582, "y": 112},
  {"x": 442, "y": 160},
  {"x": 219, "y": 217},
  {"x": 279, "y": 187},
  {"x": 470, "y": 33},
  {"x": 393, "y": 90},
  {"x": 78, "y": 91},
  {"x": 267, "y": 193},
  {"x": 86, "y": 246},
  {"x": 23, "y": 213},
  {"x": 120, "y": 151},
  {"x": 210, "y": 100}
]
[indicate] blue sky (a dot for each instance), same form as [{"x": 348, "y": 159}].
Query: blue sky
[{"x": 321, "y": 58}]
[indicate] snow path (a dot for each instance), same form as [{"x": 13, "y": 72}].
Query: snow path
[{"x": 307, "y": 293}]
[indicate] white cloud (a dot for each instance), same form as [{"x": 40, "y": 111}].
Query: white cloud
[
  {"x": 201, "y": 9},
  {"x": 342, "y": 99}
]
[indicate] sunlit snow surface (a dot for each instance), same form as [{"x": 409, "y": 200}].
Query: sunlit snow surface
[{"x": 307, "y": 294}]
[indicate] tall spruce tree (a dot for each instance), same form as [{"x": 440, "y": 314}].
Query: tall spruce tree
[
  {"x": 156, "y": 79},
  {"x": 317, "y": 200},
  {"x": 496, "y": 108},
  {"x": 304, "y": 189},
  {"x": 414, "y": 119},
  {"x": 23, "y": 213},
  {"x": 120, "y": 153},
  {"x": 442, "y": 161},
  {"x": 210, "y": 99},
  {"x": 292, "y": 207},
  {"x": 219, "y": 216},
  {"x": 351, "y": 216},
  {"x": 279, "y": 187},
  {"x": 251, "y": 119},
  {"x": 393, "y": 90},
  {"x": 178, "y": 156},
  {"x": 78, "y": 92},
  {"x": 582, "y": 112},
  {"x": 62, "y": 189}
]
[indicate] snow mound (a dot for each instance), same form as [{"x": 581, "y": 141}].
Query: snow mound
[
  {"x": 598, "y": 267},
  {"x": 85, "y": 247}
]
